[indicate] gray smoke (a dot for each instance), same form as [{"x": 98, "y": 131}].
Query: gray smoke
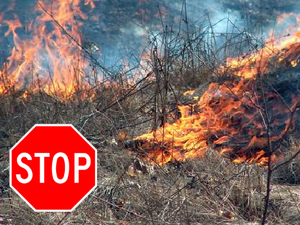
[{"x": 122, "y": 28}]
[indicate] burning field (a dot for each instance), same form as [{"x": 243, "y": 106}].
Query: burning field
[
  {"x": 246, "y": 115},
  {"x": 50, "y": 58},
  {"x": 193, "y": 132}
]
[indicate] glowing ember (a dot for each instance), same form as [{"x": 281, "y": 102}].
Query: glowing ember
[
  {"x": 240, "y": 118},
  {"x": 190, "y": 92},
  {"x": 49, "y": 60}
]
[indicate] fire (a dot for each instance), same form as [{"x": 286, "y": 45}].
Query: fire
[
  {"x": 257, "y": 62},
  {"x": 227, "y": 118},
  {"x": 294, "y": 63},
  {"x": 48, "y": 59},
  {"x": 232, "y": 117},
  {"x": 190, "y": 92}
]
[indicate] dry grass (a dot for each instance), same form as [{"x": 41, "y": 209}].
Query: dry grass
[{"x": 205, "y": 191}]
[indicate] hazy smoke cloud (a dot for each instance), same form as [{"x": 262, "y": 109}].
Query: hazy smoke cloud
[{"x": 121, "y": 28}]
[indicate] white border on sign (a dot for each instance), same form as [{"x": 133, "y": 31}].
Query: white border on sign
[{"x": 52, "y": 125}]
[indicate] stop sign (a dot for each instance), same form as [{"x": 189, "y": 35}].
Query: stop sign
[{"x": 53, "y": 167}]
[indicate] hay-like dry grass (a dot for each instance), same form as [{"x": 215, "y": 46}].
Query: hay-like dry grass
[{"x": 211, "y": 190}]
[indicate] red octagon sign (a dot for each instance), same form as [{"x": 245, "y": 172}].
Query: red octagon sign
[{"x": 53, "y": 168}]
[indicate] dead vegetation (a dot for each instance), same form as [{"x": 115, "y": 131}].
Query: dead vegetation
[{"x": 211, "y": 190}]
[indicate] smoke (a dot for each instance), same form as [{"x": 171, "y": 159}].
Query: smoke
[{"x": 122, "y": 28}]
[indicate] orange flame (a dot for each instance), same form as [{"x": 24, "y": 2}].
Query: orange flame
[
  {"x": 257, "y": 62},
  {"x": 228, "y": 117},
  {"x": 49, "y": 60}
]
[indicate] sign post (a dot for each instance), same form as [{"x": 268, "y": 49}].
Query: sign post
[{"x": 53, "y": 168}]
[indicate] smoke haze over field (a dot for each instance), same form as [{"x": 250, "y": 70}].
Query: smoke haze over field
[{"x": 122, "y": 28}]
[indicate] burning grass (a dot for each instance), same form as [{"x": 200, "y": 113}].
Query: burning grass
[
  {"x": 208, "y": 191},
  {"x": 244, "y": 118},
  {"x": 244, "y": 109}
]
